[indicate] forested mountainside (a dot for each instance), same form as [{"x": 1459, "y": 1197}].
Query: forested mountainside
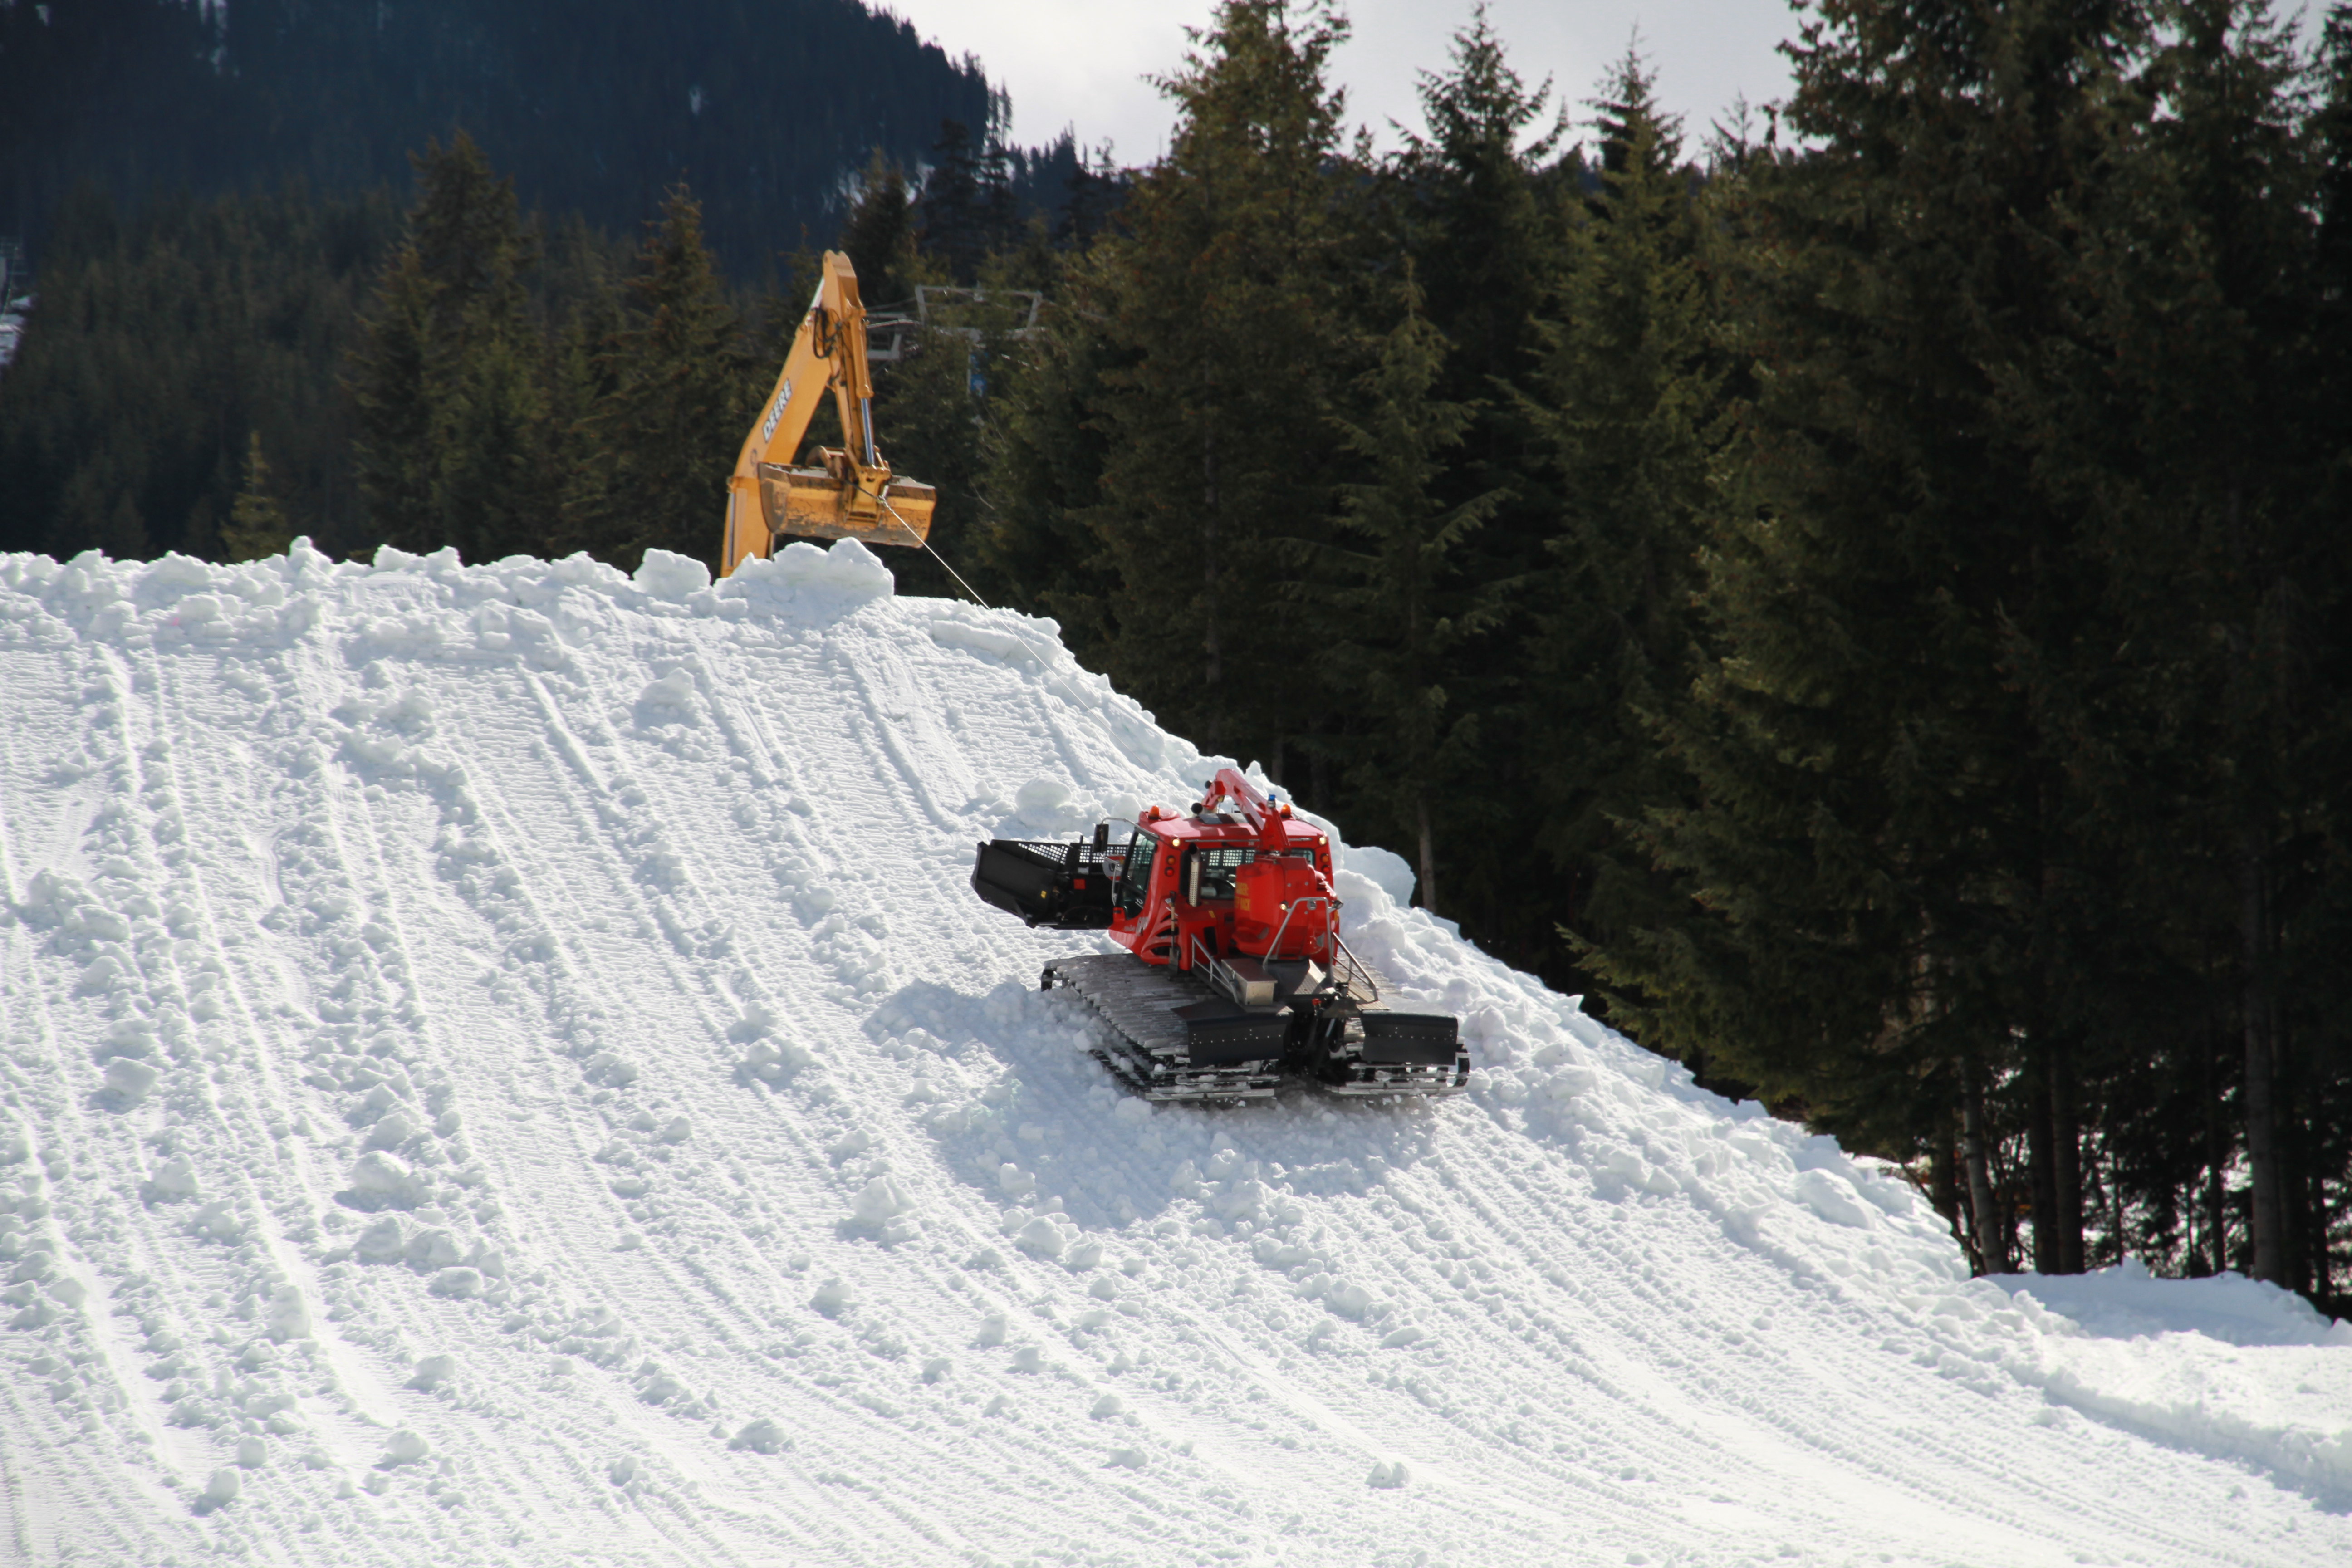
[{"x": 592, "y": 106}]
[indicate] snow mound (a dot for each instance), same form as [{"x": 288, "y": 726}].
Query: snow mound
[{"x": 503, "y": 1061}]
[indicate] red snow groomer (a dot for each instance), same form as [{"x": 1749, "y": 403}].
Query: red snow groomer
[{"x": 1234, "y": 977}]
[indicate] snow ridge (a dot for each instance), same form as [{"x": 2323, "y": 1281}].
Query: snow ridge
[{"x": 503, "y": 1059}]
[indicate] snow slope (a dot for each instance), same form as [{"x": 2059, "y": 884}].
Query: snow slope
[{"x": 502, "y": 1065}]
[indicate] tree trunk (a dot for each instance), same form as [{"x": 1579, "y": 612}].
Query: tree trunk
[
  {"x": 2067, "y": 1160},
  {"x": 2265, "y": 1188},
  {"x": 2217, "y": 1158},
  {"x": 1428, "y": 852},
  {"x": 1970, "y": 1227},
  {"x": 1944, "y": 1183},
  {"x": 1984, "y": 1215},
  {"x": 2323, "y": 1272},
  {"x": 2294, "y": 1202},
  {"x": 2041, "y": 1168}
]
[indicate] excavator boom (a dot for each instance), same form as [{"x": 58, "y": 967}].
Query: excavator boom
[{"x": 851, "y": 493}]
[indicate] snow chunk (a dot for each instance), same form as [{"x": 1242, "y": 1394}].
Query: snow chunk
[
  {"x": 129, "y": 1079},
  {"x": 457, "y": 1282},
  {"x": 1040, "y": 803},
  {"x": 384, "y": 1178},
  {"x": 1832, "y": 1197},
  {"x": 1042, "y": 1237},
  {"x": 432, "y": 1248},
  {"x": 289, "y": 1316},
  {"x": 381, "y": 1242},
  {"x": 879, "y": 1200},
  {"x": 1392, "y": 873},
  {"x": 609, "y": 1068},
  {"x": 848, "y": 569},
  {"x": 174, "y": 1178},
  {"x": 403, "y": 1447},
  {"x": 223, "y": 1487},
  {"x": 673, "y": 698},
  {"x": 665, "y": 575},
  {"x": 764, "y": 1436}
]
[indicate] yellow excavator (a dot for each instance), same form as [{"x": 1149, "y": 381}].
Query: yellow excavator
[{"x": 851, "y": 493}]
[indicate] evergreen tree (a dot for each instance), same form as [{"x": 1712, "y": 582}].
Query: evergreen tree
[
  {"x": 1392, "y": 606},
  {"x": 678, "y": 391},
  {"x": 1626, "y": 401},
  {"x": 1043, "y": 457},
  {"x": 163, "y": 340},
  {"x": 934, "y": 405},
  {"x": 2187, "y": 430},
  {"x": 1484, "y": 223},
  {"x": 451, "y": 444},
  {"x": 967, "y": 211},
  {"x": 1479, "y": 215},
  {"x": 878, "y": 234},
  {"x": 1219, "y": 304},
  {"x": 257, "y": 526},
  {"x": 1876, "y": 818}
]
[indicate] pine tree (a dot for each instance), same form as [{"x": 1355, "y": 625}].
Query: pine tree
[
  {"x": 966, "y": 212},
  {"x": 1392, "y": 604},
  {"x": 162, "y": 337},
  {"x": 1877, "y": 820},
  {"x": 1043, "y": 457},
  {"x": 1220, "y": 310},
  {"x": 1482, "y": 221},
  {"x": 878, "y": 234},
  {"x": 452, "y": 444},
  {"x": 1480, "y": 214},
  {"x": 2188, "y": 431},
  {"x": 660, "y": 438},
  {"x": 934, "y": 405},
  {"x": 258, "y": 526},
  {"x": 1627, "y": 403}
]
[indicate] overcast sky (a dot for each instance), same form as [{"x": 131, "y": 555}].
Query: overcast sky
[{"x": 1081, "y": 63}]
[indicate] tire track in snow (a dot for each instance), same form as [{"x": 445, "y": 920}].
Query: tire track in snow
[
  {"x": 553, "y": 718},
  {"x": 558, "y": 979},
  {"x": 508, "y": 1473}
]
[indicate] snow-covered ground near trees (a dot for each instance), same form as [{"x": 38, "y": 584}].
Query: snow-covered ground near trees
[{"x": 503, "y": 1065}]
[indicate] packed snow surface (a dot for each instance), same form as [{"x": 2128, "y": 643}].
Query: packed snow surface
[{"x": 502, "y": 1065}]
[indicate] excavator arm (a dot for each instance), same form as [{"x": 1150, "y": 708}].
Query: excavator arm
[{"x": 851, "y": 493}]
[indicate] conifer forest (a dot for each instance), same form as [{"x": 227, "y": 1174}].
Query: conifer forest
[{"x": 1860, "y": 589}]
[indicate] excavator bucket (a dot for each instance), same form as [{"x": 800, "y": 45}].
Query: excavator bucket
[{"x": 829, "y": 503}]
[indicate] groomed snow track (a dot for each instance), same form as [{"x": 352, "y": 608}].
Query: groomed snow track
[{"x": 500, "y": 1065}]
